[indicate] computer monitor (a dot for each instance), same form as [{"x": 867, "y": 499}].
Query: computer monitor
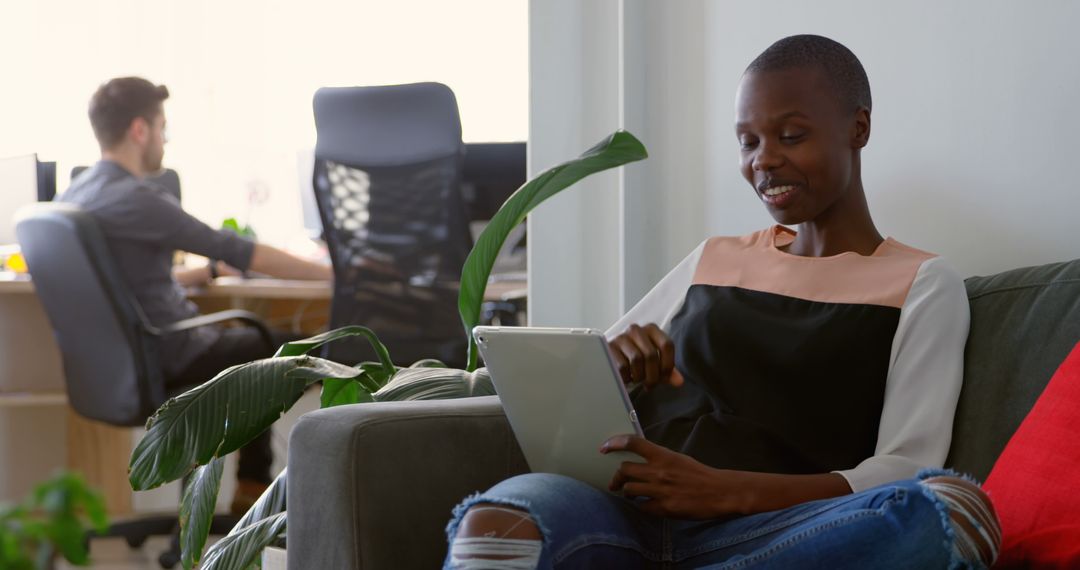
[
  {"x": 46, "y": 181},
  {"x": 305, "y": 167},
  {"x": 18, "y": 187},
  {"x": 492, "y": 172}
]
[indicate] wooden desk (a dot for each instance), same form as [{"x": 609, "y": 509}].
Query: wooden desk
[{"x": 265, "y": 288}]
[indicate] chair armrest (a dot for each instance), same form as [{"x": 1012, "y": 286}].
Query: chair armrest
[
  {"x": 246, "y": 317},
  {"x": 373, "y": 485}
]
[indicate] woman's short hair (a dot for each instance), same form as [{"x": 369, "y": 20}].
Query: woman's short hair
[{"x": 840, "y": 65}]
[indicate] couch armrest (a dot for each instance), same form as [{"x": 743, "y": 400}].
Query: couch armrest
[{"x": 373, "y": 485}]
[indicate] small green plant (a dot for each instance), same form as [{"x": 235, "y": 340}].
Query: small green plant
[
  {"x": 194, "y": 431},
  {"x": 233, "y": 225},
  {"x": 53, "y": 520}
]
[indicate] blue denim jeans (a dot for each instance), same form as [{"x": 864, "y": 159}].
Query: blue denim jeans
[{"x": 897, "y": 525}]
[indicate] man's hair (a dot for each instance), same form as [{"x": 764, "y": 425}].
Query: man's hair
[
  {"x": 840, "y": 66},
  {"x": 118, "y": 102}
]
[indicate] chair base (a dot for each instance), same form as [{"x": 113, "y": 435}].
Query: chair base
[{"x": 136, "y": 531}]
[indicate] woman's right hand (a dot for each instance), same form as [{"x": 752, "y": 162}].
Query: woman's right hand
[{"x": 646, "y": 354}]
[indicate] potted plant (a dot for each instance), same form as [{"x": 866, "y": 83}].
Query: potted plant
[
  {"x": 196, "y": 430},
  {"x": 52, "y": 521}
]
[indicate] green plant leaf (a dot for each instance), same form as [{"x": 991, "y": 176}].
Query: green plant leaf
[
  {"x": 339, "y": 393},
  {"x": 56, "y": 514},
  {"x": 376, "y": 375},
  {"x": 428, "y": 363},
  {"x": 66, "y": 534},
  {"x": 303, "y": 346},
  {"x": 221, "y": 415},
  {"x": 435, "y": 384},
  {"x": 197, "y": 510},
  {"x": 618, "y": 149},
  {"x": 240, "y": 550},
  {"x": 271, "y": 502},
  {"x": 93, "y": 505}
]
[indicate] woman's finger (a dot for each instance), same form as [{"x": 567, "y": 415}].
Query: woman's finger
[
  {"x": 628, "y": 471},
  {"x": 632, "y": 354},
  {"x": 661, "y": 340},
  {"x": 621, "y": 363},
  {"x": 649, "y": 354},
  {"x": 635, "y": 489}
]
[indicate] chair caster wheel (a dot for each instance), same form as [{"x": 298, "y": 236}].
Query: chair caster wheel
[
  {"x": 169, "y": 559},
  {"x": 134, "y": 542}
]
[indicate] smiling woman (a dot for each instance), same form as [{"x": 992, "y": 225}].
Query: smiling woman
[
  {"x": 794, "y": 385},
  {"x": 242, "y": 76},
  {"x": 792, "y": 144}
]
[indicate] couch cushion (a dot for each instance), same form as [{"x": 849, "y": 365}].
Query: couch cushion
[
  {"x": 1033, "y": 484},
  {"x": 1023, "y": 324}
]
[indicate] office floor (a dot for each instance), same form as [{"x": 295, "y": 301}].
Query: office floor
[{"x": 114, "y": 554}]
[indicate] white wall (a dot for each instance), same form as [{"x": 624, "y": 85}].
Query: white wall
[
  {"x": 596, "y": 67},
  {"x": 974, "y": 132}
]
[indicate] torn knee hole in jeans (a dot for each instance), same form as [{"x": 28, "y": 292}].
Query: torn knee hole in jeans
[
  {"x": 493, "y": 549},
  {"x": 972, "y": 525}
]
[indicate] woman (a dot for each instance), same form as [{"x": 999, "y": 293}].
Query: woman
[{"x": 795, "y": 386}]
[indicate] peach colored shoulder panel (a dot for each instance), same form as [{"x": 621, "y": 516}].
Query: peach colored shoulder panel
[{"x": 751, "y": 262}]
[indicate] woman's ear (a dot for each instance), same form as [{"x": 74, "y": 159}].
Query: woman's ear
[{"x": 860, "y": 134}]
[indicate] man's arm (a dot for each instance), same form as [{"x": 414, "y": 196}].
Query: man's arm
[
  {"x": 192, "y": 277},
  {"x": 277, "y": 263}
]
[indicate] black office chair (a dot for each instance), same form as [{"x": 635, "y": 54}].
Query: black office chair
[
  {"x": 387, "y": 178},
  {"x": 167, "y": 179},
  {"x": 109, "y": 348}
]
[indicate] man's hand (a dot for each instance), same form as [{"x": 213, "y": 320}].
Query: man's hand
[
  {"x": 647, "y": 355},
  {"x": 676, "y": 485}
]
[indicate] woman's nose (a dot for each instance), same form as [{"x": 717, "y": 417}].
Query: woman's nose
[{"x": 767, "y": 158}]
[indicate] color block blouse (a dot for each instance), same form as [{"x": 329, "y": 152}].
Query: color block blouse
[{"x": 849, "y": 363}]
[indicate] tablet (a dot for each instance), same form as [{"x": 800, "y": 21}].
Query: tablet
[{"x": 563, "y": 397}]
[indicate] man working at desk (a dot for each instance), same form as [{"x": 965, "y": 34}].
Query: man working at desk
[{"x": 144, "y": 225}]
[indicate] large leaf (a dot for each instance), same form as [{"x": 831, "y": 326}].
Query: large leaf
[
  {"x": 303, "y": 346},
  {"x": 618, "y": 149},
  {"x": 220, "y": 416},
  {"x": 271, "y": 502},
  {"x": 339, "y": 393},
  {"x": 240, "y": 550},
  {"x": 435, "y": 384},
  {"x": 232, "y": 553},
  {"x": 357, "y": 390},
  {"x": 197, "y": 510}
]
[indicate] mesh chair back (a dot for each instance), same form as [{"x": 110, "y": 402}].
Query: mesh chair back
[
  {"x": 387, "y": 179},
  {"x": 110, "y": 363}
]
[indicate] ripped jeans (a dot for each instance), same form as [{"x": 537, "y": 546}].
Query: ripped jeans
[{"x": 897, "y": 525}]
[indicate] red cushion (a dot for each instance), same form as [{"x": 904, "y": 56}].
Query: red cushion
[{"x": 1035, "y": 483}]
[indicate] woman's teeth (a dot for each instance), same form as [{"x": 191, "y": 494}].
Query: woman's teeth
[{"x": 777, "y": 190}]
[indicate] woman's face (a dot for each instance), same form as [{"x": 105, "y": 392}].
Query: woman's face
[{"x": 797, "y": 142}]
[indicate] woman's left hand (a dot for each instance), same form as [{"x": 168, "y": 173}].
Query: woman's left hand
[{"x": 675, "y": 485}]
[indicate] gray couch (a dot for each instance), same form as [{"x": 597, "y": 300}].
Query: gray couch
[{"x": 372, "y": 486}]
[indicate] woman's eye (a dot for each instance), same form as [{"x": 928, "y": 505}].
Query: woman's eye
[
  {"x": 791, "y": 137},
  {"x": 747, "y": 144}
]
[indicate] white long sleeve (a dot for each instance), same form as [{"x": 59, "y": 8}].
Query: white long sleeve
[
  {"x": 664, "y": 300},
  {"x": 923, "y": 384}
]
